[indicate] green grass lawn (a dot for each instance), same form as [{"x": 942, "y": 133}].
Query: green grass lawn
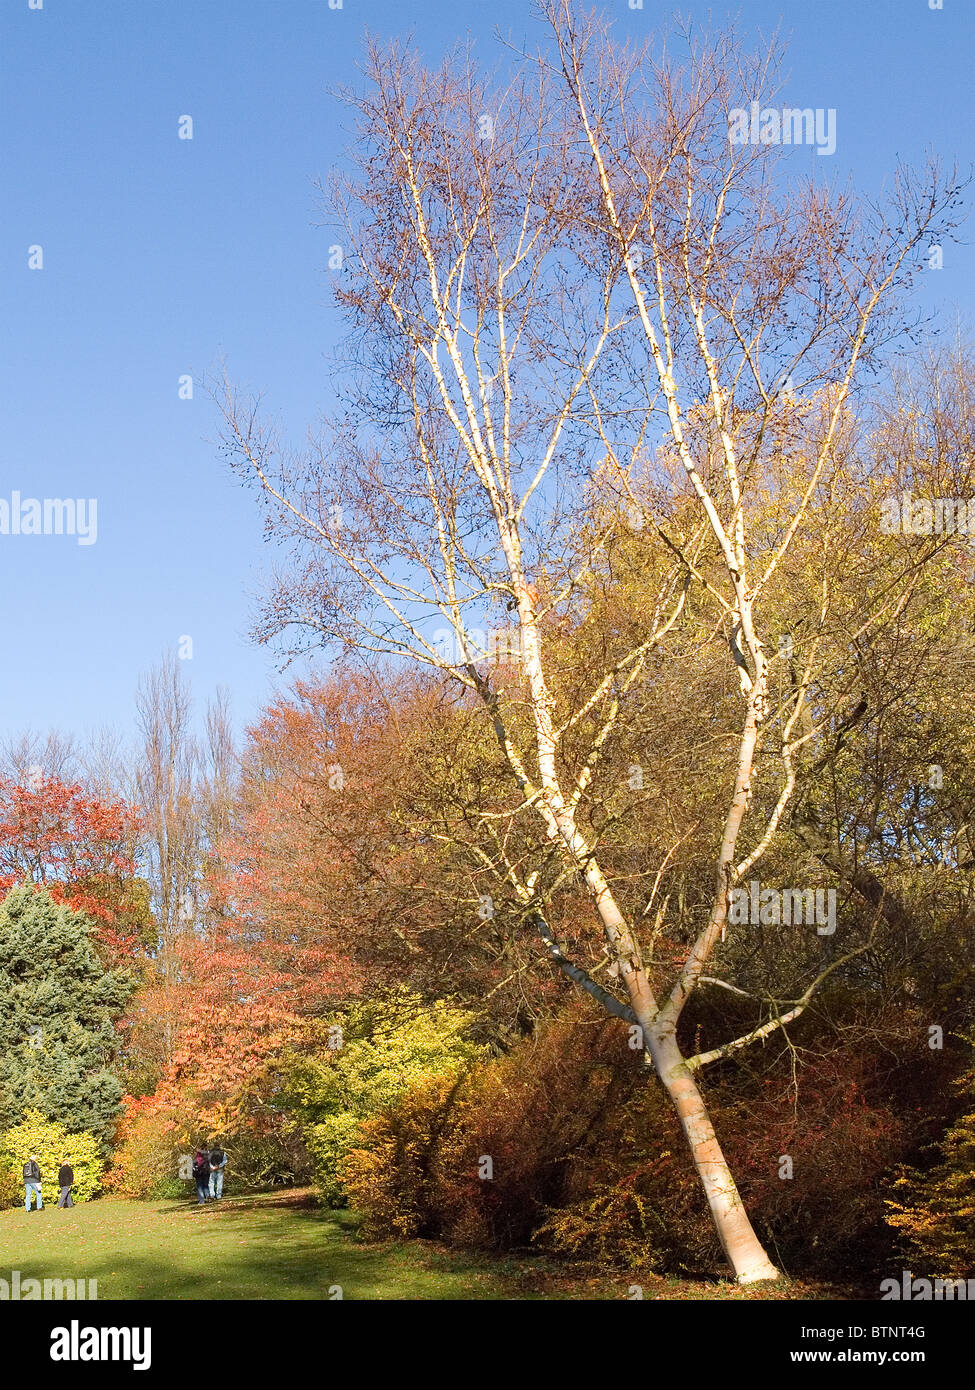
[{"x": 283, "y": 1246}]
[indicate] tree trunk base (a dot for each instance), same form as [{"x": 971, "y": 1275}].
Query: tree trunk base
[{"x": 755, "y": 1274}]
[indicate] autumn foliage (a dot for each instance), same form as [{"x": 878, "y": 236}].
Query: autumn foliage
[{"x": 78, "y": 847}]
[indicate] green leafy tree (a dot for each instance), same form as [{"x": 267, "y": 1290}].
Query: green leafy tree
[
  {"x": 58, "y": 1006},
  {"x": 54, "y": 1145}
]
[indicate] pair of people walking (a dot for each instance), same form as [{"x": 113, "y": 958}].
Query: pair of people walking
[
  {"x": 209, "y": 1166},
  {"x": 33, "y": 1184}
]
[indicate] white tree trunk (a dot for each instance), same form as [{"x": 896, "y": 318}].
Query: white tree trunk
[{"x": 741, "y": 1245}]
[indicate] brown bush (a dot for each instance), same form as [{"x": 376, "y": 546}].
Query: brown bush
[
  {"x": 588, "y": 1160},
  {"x": 823, "y": 1209},
  {"x": 580, "y": 1145}
]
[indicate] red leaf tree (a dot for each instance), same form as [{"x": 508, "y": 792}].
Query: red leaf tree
[{"x": 81, "y": 849}]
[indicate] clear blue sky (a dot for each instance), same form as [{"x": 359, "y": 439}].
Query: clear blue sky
[{"x": 161, "y": 254}]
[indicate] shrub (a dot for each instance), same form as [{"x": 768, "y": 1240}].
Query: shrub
[
  {"x": 580, "y": 1147},
  {"x": 589, "y": 1161},
  {"x": 157, "y": 1130},
  {"x": 632, "y": 1197},
  {"x": 823, "y": 1209},
  {"x": 935, "y": 1211},
  {"x": 390, "y": 1047},
  {"x": 390, "y": 1177},
  {"x": 146, "y": 1158},
  {"x": 11, "y": 1187},
  {"x": 54, "y": 1145},
  {"x": 529, "y": 1113}
]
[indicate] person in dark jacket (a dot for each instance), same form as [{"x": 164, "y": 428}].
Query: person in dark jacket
[
  {"x": 201, "y": 1172},
  {"x": 65, "y": 1182},
  {"x": 218, "y": 1166},
  {"x": 32, "y": 1183}
]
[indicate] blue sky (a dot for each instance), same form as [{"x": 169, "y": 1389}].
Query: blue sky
[{"x": 160, "y": 255}]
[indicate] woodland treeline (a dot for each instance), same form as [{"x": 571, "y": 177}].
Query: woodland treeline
[{"x": 597, "y": 546}]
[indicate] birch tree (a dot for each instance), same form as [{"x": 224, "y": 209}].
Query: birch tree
[{"x": 560, "y": 281}]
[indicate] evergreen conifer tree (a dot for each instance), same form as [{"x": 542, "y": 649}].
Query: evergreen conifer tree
[{"x": 58, "y": 1006}]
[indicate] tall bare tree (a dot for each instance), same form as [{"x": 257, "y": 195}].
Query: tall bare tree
[{"x": 166, "y": 778}]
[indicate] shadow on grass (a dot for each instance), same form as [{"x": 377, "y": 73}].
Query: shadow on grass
[
  {"x": 258, "y": 1247},
  {"x": 301, "y": 1199},
  {"x": 279, "y": 1271}
]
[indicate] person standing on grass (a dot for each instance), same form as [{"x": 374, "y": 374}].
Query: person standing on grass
[
  {"x": 65, "y": 1182},
  {"x": 218, "y": 1162},
  {"x": 32, "y": 1183},
  {"x": 201, "y": 1171}
]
